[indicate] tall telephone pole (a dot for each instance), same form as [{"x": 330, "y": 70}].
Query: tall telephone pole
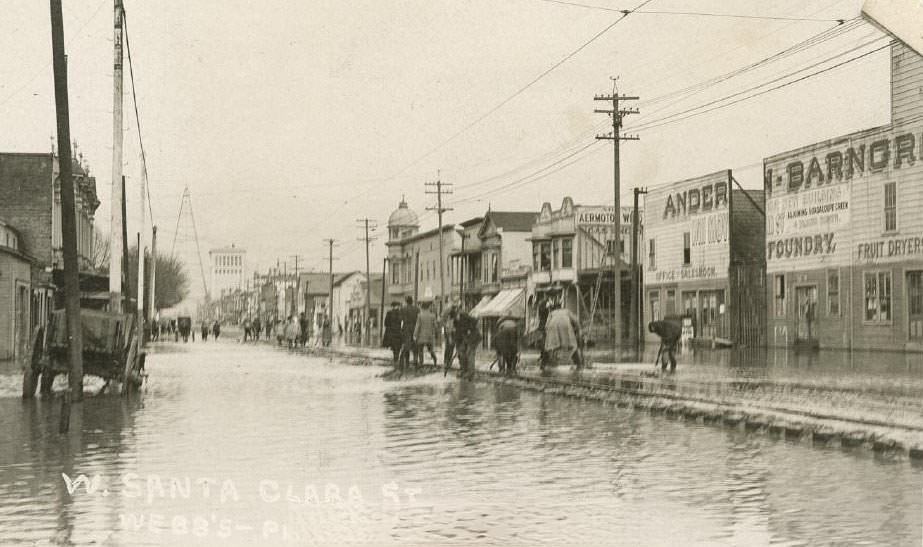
[
  {"x": 330, "y": 242},
  {"x": 439, "y": 192},
  {"x": 296, "y": 284},
  {"x": 68, "y": 209},
  {"x": 366, "y": 330},
  {"x": 616, "y": 113},
  {"x": 116, "y": 218}
]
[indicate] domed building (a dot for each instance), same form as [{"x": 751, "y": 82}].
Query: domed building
[{"x": 403, "y": 222}]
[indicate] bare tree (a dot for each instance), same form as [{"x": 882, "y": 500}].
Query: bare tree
[{"x": 99, "y": 257}]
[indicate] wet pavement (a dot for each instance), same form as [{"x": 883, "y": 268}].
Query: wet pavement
[{"x": 246, "y": 444}]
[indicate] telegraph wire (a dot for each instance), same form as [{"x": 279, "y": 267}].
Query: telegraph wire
[
  {"x": 518, "y": 92},
  {"x": 696, "y": 13},
  {"x": 134, "y": 101}
]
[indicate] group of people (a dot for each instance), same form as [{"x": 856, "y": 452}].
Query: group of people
[
  {"x": 409, "y": 331},
  {"x": 214, "y": 328},
  {"x": 293, "y": 331}
]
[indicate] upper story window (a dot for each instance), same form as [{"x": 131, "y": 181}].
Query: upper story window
[
  {"x": 651, "y": 254},
  {"x": 567, "y": 252},
  {"x": 545, "y": 256},
  {"x": 890, "y": 207},
  {"x": 687, "y": 249}
]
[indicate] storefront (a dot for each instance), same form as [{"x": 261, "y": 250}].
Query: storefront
[
  {"x": 573, "y": 264},
  {"x": 845, "y": 241},
  {"x": 703, "y": 259}
]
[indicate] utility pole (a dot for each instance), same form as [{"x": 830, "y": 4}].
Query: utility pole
[
  {"x": 151, "y": 311},
  {"x": 117, "y": 186},
  {"x": 68, "y": 209},
  {"x": 330, "y": 242},
  {"x": 616, "y": 113},
  {"x": 635, "y": 324},
  {"x": 296, "y": 283},
  {"x": 440, "y": 191},
  {"x": 368, "y": 280}
]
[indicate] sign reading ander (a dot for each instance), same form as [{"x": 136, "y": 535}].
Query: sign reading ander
[{"x": 687, "y": 229}]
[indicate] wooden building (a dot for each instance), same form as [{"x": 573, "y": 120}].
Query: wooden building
[
  {"x": 845, "y": 231},
  {"x": 703, "y": 259}
]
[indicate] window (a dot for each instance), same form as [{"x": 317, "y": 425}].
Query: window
[
  {"x": 493, "y": 268},
  {"x": 878, "y": 296},
  {"x": 833, "y": 292},
  {"x": 555, "y": 253},
  {"x": 651, "y": 247},
  {"x": 536, "y": 252},
  {"x": 545, "y": 257},
  {"x": 567, "y": 252},
  {"x": 687, "y": 249},
  {"x": 670, "y": 307},
  {"x": 890, "y": 206},
  {"x": 655, "y": 305},
  {"x": 779, "y": 295}
]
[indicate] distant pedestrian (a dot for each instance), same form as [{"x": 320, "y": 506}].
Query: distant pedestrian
[
  {"x": 392, "y": 335},
  {"x": 292, "y": 332},
  {"x": 255, "y": 329},
  {"x": 305, "y": 326},
  {"x": 204, "y": 331},
  {"x": 216, "y": 329},
  {"x": 408, "y": 323},
  {"x": 448, "y": 332},
  {"x": 669, "y": 333},
  {"x": 467, "y": 338},
  {"x": 424, "y": 333},
  {"x": 247, "y": 329},
  {"x": 326, "y": 331}
]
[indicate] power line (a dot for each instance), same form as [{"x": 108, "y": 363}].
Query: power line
[
  {"x": 134, "y": 101},
  {"x": 520, "y": 91},
  {"x": 695, "y": 13}
]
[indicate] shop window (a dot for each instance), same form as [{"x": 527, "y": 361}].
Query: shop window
[
  {"x": 833, "y": 292},
  {"x": 567, "y": 252},
  {"x": 877, "y": 297},
  {"x": 890, "y": 206},
  {"x": 555, "y": 253},
  {"x": 651, "y": 263},
  {"x": 655, "y": 306},
  {"x": 687, "y": 249},
  {"x": 778, "y": 292},
  {"x": 670, "y": 307}
]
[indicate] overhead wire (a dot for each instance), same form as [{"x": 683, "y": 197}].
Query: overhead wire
[
  {"x": 696, "y": 13},
  {"x": 134, "y": 101}
]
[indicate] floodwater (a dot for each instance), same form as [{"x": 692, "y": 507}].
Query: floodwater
[{"x": 234, "y": 444}]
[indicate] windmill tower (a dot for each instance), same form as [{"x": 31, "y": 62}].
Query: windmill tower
[{"x": 186, "y": 244}]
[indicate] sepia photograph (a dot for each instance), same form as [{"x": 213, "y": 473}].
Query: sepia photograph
[{"x": 461, "y": 272}]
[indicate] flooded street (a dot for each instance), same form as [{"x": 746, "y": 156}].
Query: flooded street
[{"x": 237, "y": 444}]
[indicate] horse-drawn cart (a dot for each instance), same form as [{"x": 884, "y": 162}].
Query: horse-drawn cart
[{"x": 111, "y": 351}]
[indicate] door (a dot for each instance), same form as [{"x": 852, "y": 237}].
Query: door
[
  {"x": 21, "y": 322},
  {"x": 806, "y": 302},
  {"x": 915, "y": 305}
]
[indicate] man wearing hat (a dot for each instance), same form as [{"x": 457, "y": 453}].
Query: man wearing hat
[{"x": 392, "y": 334}]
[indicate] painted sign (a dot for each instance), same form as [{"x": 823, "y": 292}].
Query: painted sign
[
  {"x": 699, "y": 199},
  {"x": 819, "y": 210},
  {"x": 874, "y": 251},
  {"x": 605, "y": 216}
]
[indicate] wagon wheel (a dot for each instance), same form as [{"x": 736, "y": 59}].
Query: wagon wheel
[
  {"x": 30, "y": 374},
  {"x": 134, "y": 366}
]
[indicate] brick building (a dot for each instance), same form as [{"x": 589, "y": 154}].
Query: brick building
[
  {"x": 845, "y": 233},
  {"x": 704, "y": 259}
]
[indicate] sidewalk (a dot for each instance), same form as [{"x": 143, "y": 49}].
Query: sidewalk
[{"x": 875, "y": 399}]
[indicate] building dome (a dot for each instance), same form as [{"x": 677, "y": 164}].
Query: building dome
[{"x": 403, "y": 217}]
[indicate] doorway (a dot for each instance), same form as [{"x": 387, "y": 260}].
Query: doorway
[
  {"x": 806, "y": 302},
  {"x": 915, "y": 305}
]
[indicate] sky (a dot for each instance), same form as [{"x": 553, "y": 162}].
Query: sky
[{"x": 289, "y": 121}]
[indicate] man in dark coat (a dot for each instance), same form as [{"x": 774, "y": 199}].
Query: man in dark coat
[
  {"x": 305, "y": 328},
  {"x": 467, "y": 338},
  {"x": 669, "y": 333},
  {"x": 408, "y": 323},
  {"x": 392, "y": 336}
]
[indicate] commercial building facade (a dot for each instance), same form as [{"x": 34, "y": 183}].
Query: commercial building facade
[
  {"x": 845, "y": 231},
  {"x": 227, "y": 267},
  {"x": 704, "y": 259},
  {"x": 573, "y": 253},
  {"x": 15, "y": 296}
]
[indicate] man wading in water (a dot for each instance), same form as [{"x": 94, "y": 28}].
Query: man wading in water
[{"x": 669, "y": 333}]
